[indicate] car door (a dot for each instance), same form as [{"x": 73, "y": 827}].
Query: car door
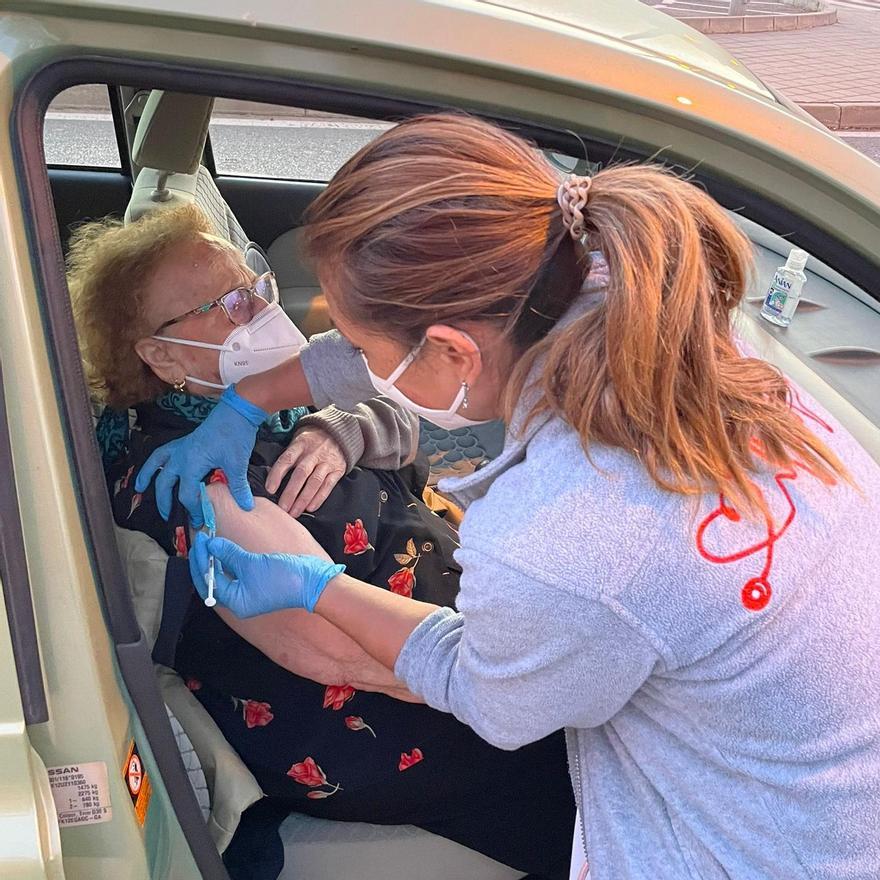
[
  {"x": 92, "y": 660},
  {"x": 89, "y": 763},
  {"x": 30, "y": 842}
]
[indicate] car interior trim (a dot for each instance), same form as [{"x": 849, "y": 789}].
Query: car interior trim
[{"x": 17, "y": 587}]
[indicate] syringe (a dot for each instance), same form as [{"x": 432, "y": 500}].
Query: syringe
[{"x": 211, "y": 528}]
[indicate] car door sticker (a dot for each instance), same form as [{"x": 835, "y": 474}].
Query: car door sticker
[
  {"x": 81, "y": 793},
  {"x": 138, "y": 782}
]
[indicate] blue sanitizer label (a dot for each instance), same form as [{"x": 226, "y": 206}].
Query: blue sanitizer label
[{"x": 778, "y": 294}]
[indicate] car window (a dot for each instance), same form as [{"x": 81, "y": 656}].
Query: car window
[
  {"x": 571, "y": 164},
  {"x": 268, "y": 140},
  {"x": 79, "y": 130}
]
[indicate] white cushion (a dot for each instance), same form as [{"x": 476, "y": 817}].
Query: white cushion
[
  {"x": 172, "y": 131},
  {"x": 315, "y": 849}
]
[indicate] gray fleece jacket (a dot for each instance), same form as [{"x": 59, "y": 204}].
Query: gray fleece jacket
[{"x": 718, "y": 680}]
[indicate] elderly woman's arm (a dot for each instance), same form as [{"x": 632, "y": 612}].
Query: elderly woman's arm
[{"x": 302, "y": 643}]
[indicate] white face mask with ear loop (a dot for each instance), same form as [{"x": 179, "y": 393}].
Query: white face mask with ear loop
[
  {"x": 266, "y": 341},
  {"x": 443, "y": 418}
]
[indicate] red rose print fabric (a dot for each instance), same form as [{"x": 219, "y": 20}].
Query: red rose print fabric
[
  {"x": 408, "y": 760},
  {"x": 180, "y": 547},
  {"x": 337, "y": 695},
  {"x": 355, "y": 722},
  {"x": 403, "y": 581},
  {"x": 308, "y": 773},
  {"x": 136, "y": 500},
  {"x": 355, "y": 539},
  {"x": 254, "y": 713},
  {"x": 377, "y": 524},
  {"x": 123, "y": 481}
]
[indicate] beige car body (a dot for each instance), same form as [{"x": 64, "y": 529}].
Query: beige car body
[{"x": 616, "y": 69}]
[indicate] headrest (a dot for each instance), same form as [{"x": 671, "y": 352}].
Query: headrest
[{"x": 172, "y": 131}]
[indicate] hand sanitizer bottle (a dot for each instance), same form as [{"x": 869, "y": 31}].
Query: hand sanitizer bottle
[{"x": 785, "y": 290}]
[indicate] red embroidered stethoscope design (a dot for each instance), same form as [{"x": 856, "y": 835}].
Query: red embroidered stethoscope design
[{"x": 757, "y": 591}]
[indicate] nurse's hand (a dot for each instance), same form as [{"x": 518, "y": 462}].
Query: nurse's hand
[
  {"x": 224, "y": 440},
  {"x": 261, "y": 582}
]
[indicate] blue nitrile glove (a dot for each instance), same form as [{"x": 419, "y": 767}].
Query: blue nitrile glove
[
  {"x": 264, "y": 582},
  {"x": 224, "y": 440}
]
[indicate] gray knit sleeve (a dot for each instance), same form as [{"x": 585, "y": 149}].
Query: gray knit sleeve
[
  {"x": 376, "y": 434},
  {"x": 523, "y": 657},
  {"x": 372, "y": 431},
  {"x": 335, "y": 371}
]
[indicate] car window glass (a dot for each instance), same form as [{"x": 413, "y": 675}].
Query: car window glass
[
  {"x": 570, "y": 164},
  {"x": 267, "y": 140},
  {"x": 79, "y": 129}
]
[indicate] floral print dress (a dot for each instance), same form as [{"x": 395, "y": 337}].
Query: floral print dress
[{"x": 334, "y": 751}]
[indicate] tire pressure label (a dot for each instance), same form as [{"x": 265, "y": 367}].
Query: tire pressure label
[
  {"x": 138, "y": 783},
  {"x": 81, "y": 793}
]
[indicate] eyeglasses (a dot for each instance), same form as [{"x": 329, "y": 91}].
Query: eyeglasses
[{"x": 239, "y": 305}]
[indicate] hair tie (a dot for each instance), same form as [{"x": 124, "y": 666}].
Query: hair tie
[{"x": 572, "y": 196}]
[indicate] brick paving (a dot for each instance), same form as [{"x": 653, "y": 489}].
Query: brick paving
[
  {"x": 834, "y": 64},
  {"x": 698, "y": 8},
  {"x": 753, "y": 16}
]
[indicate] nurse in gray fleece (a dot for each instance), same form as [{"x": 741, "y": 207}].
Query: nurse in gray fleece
[{"x": 676, "y": 556}]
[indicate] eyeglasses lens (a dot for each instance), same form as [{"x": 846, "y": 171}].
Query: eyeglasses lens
[
  {"x": 266, "y": 288},
  {"x": 239, "y": 305},
  {"x": 243, "y": 303}
]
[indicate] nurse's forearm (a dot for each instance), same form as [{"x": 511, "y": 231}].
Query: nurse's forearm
[
  {"x": 379, "y": 621},
  {"x": 282, "y": 387}
]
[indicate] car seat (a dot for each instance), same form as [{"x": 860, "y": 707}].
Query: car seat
[{"x": 168, "y": 147}]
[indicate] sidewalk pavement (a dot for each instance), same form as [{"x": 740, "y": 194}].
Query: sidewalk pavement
[
  {"x": 833, "y": 72},
  {"x": 715, "y": 16}
]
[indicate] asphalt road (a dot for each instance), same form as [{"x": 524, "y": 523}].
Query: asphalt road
[
  {"x": 302, "y": 149},
  {"x": 865, "y": 142}
]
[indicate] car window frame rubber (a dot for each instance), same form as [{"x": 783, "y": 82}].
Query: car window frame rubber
[
  {"x": 118, "y": 114},
  {"x": 132, "y": 651}
]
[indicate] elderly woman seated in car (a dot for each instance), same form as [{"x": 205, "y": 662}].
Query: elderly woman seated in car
[{"x": 168, "y": 314}]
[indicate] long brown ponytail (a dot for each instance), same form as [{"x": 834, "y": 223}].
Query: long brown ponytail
[{"x": 449, "y": 219}]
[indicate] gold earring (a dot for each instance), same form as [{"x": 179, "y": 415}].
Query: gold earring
[{"x": 180, "y": 384}]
